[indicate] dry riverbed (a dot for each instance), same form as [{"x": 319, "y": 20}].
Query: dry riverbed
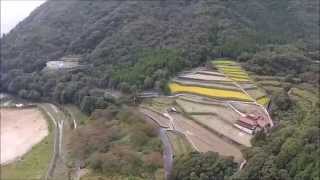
[{"x": 21, "y": 129}]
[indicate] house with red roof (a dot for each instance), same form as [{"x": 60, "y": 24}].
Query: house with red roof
[{"x": 252, "y": 123}]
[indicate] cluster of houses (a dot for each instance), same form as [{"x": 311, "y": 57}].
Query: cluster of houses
[{"x": 252, "y": 123}]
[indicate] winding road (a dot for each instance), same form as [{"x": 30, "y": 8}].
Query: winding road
[
  {"x": 167, "y": 153},
  {"x": 167, "y": 147}
]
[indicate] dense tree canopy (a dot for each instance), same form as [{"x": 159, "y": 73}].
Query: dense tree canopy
[{"x": 204, "y": 166}]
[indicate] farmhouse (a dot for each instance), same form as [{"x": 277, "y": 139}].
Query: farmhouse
[{"x": 251, "y": 123}]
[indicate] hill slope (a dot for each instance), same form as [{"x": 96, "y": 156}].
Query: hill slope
[
  {"x": 142, "y": 43},
  {"x": 113, "y": 31}
]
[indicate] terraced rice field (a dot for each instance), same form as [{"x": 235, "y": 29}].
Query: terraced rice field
[
  {"x": 159, "y": 104},
  {"x": 205, "y": 77},
  {"x": 214, "y": 73},
  {"x": 248, "y": 108},
  {"x": 203, "y": 140},
  {"x": 233, "y": 71},
  {"x": 227, "y": 86},
  {"x": 221, "y": 127},
  {"x": 256, "y": 93},
  {"x": 223, "y": 111},
  {"x": 216, "y": 93},
  {"x": 179, "y": 143},
  {"x": 247, "y": 86},
  {"x": 263, "y": 101},
  {"x": 236, "y": 73}
]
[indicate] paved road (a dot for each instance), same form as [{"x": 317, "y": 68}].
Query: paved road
[
  {"x": 167, "y": 148},
  {"x": 167, "y": 153}
]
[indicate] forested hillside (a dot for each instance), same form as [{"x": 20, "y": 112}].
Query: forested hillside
[
  {"x": 133, "y": 46},
  {"x": 150, "y": 39}
]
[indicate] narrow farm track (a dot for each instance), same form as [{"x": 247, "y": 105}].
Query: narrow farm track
[{"x": 58, "y": 120}]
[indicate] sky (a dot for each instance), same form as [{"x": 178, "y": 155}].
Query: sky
[{"x": 14, "y": 11}]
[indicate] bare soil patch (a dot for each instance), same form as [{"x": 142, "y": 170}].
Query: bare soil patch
[
  {"x": 203, "y": 140},
  {"x": 20, "y": 130}
]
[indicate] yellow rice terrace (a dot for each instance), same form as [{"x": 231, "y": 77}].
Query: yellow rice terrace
[
  {"x": 234, "y": 71},
  {"x": 211, "y": 92}
]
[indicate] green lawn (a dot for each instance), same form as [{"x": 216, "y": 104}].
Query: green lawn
[{"x": 33, "y": 165}]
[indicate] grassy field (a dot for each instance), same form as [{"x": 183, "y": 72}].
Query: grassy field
[
  {"x": 179, "y": 143},
  {"x": 33, "y": 165},
  {"x": 217, "y": 93}
]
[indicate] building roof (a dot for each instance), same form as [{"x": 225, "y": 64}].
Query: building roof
[
  {"x": 254, "y": 120},
  {"x": 248, "y": 121},
  {"x": 245, "y": 125}
]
